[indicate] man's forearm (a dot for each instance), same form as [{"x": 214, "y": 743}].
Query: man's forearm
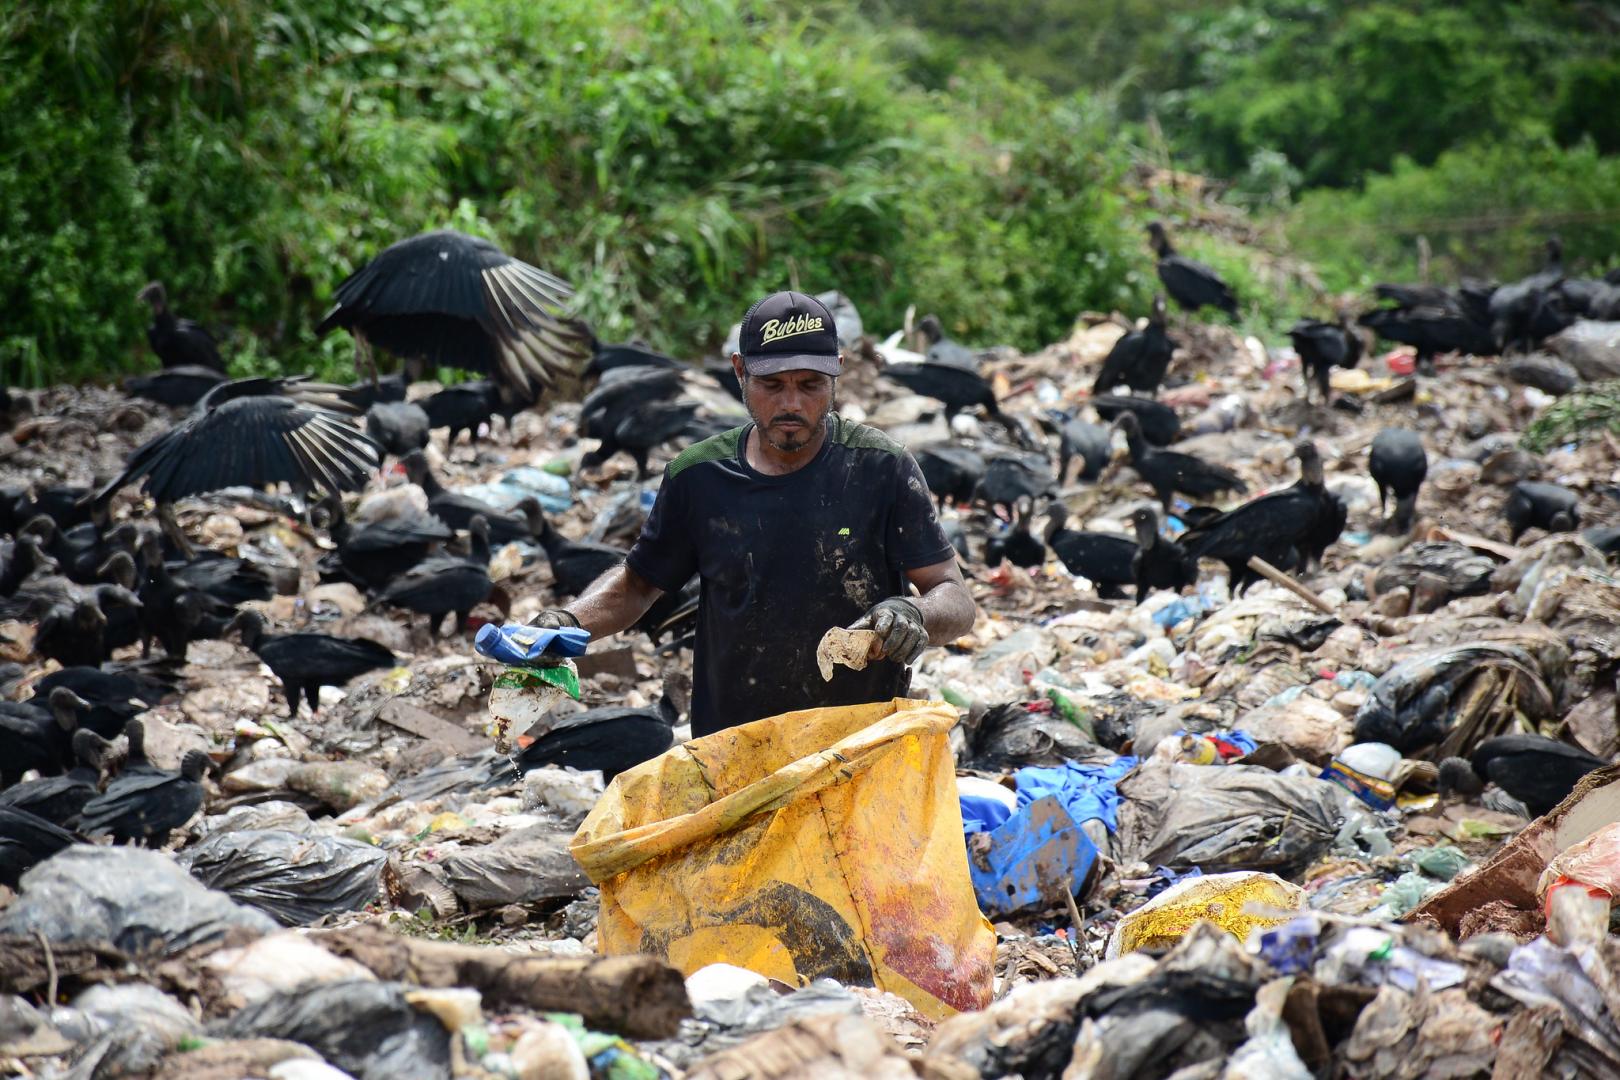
[
  {"x": 947, "y": 612},
  {"x": 614, "y": 601}
]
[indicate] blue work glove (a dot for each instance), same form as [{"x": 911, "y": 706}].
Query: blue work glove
[{"x": 899, "y": 626}]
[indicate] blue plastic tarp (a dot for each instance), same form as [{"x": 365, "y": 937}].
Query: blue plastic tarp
[
  {"x": 1025, "y": 860},
  {"x": 1087, "y": 792}
]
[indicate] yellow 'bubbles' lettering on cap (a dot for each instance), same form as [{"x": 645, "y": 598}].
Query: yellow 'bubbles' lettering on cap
[{"x": 793, "y": 326}]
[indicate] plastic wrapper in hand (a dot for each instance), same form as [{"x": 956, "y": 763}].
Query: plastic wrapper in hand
[
  {"x": 1236, "y": 903},
  {"x": 1241, "y": 817},
  {"x": 826, "y": 842},
  {"x": 292, "y": 877}
]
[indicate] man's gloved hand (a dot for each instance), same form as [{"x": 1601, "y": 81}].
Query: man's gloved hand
[
  {"x": 898, "y": 624},
  {"x": 555, "y": 618}
]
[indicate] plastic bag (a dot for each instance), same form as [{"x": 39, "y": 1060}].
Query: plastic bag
[
  {"x": 1236, "y": 903},
  {"x": 367, "y": 1029},
  {"x": 137, "y": 900},
  {"x": 826, "y": 842},
  {"x": 292, "y": 877},
  {"x": 1242, "y": 817},
  {"x": 1028, "y": 858}
]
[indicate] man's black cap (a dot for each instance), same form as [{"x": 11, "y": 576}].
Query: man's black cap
[{"x": 789, "y": 331}]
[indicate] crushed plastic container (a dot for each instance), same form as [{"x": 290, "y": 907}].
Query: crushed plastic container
[
  {"x": 1236, "y": 903},
  {"x": 537, "y": 678}
]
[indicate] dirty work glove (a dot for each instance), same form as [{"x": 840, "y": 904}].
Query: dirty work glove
[
  {"x": 555, "y": 619},
  {"x": 899, "y": 626}
]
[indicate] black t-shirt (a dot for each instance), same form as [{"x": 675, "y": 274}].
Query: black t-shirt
[{"x": 781, "y": 559}]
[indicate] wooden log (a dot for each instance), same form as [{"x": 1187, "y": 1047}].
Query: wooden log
[
  {"x": 639, "y": 996},
  {"x": 1277, "y": 577}
]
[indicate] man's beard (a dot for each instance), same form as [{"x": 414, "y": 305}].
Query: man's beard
[{"x": 788, "y": 442}]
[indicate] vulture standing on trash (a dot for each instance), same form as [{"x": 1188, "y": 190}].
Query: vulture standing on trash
[
  {"x": 26, "y": 840},
  {"x": 632, "y": 410},
  {"x": 178, "y": 343},
  {"x": 463, "y": 407},
  {"x": 442, "y": 584},
  {"x": 144, "y": 806},
  {"x": 254, "y": 432},
  {"x": 1535, "y": 505},
  {"x": 37, "y": 735},
  {"x": 1160, "y": 425},
  {"x": 457, "y": 510},
  {"x": 1016, "y": 545},
  {"x": 1398, "y": 465},
  {"x": 1534, "y": 769},
  {"x": 950, "y": 471},
  {"x": 1288, "y": 529},
  {"x": 305, "y": 662},
  {"x": 628, "y": 354},
  {"x": 114, "y": 697},
  {"x": 1168, "y": 471},
  {"x": 575, "y": 563},
  {"x": 1433, "y": 320},
  {"x": 60, "y": 799},
  {"x": 76, "y": 634},
  {"x": 1140, "y": 358},
  {"x": 445, "y": 299},
  {"x": 1191, "y": 284},
  {"x": 1079, "y": 439},
  {"x": 1323, "y": 346},
  {"x": 954, "y": 387},
  {"x": 374, "y": 555},
  {"x": 1101, "y": 558},
  {"x": 1010, "y": 478},
  {"x": 398, "y": 427},
  {"x": 1159, "y": 563},
  {"x": 1525, "y": 312}
]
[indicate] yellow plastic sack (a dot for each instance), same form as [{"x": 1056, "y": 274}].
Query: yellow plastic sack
[
  {"x": 1237, "y": 902},
  {"x": 825, "y": 842}
]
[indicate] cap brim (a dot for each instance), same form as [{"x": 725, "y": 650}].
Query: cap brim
[{"x": 775, "y": 365}]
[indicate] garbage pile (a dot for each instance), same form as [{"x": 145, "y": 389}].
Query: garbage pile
[{"x": 1336, "y": 812}]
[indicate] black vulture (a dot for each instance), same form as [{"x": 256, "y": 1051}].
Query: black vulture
[
  {"x": 1016, "y": 545},
  {"x": 65, "y": 504},
  {"x": 1140, "y": 358},
  {"x": 464, "y": 407},
  {"x": 635, "y": 426},
  {"x": 180, "y": 386},
  {"x": 254, "y": 432},
  {"x": 1398, "y": 465},
  {"x": 76, "y": 634},
  {"x": 575, "y": 563},
  {"x": 173, "y": 611},
  {"x": 1010, "y": 478},
  {"x": 398, "y": 427},
  {"x": 1538, "y": 771},
  {"x": 373, "y": 555},
  {"x": 146, "y": 805},
  {"x": 606, "y": 358},
  {"x": 1323, "y": 346},
  {"x": 1159, "y": 563},
  {"x": 1168, "y": 471},
  {"x": 230, "y": 581},
  {"x": 1527, "y": 311},
  {"x": 1191, "y": 284},
  {"x": 20, "y": 559},
  {"x": 178, "y": 342},
  {"x": 445, "y": 299},
  {"x": 41, "y": 592},
  {"x": 26, "y": 840},
  {"x": 673, "y": 615},
  {"x": 1103, "y": 559},
  {"x": 1287, "y": 528},
  {"x": 59, "y": 799},
  {"x": 1080, "y": 439},
  {"x": 944, "y": 350},
  {"x": 442, "y": 584},
  {"x": 387, "y": 389},
  {"x": 114, "y": 697},
  {"x": 612, "y": 738},
  {"x": 36, "y": 735},
  {"x": 1534, "y": 505},
  {"x": 1160, "y": 425},
  {"x": 955, "y": 388},
  {"x": 951, "y": 472},
  {"x": 305, "y": 662},
  {"x": 457, "y": 510},
  {"x": 1606, "y": 538}
]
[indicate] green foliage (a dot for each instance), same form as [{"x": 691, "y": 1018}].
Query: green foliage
[
  {"x": 1484, "y": 210},
  {"x": 1586, "y": 106},
  {"x": 672, "y": 160}
]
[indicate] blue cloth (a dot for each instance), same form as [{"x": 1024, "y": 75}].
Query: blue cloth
[
  {"x": 1086, "y": 791},
  {"x": 980, "y": 814},
  {"x": 515, "y": 643},
  {"x": 1033, "y": 852}
]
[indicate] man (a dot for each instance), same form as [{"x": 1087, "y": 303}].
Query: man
[{"x": 796, "y": 522}]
